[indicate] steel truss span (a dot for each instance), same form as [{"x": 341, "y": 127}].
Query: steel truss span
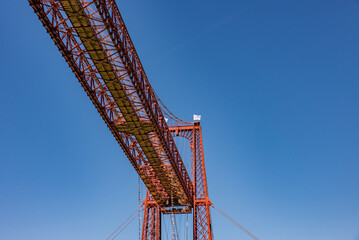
[{"x": 93, "y": 39}]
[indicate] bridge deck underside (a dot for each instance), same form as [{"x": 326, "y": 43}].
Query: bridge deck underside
[{"x": 132, "y": 122}]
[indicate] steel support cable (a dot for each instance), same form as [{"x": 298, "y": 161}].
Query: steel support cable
[
  {"x": 139, "y": 208},
  {"x": 187, "y": 227},
  {"x": 189, "y": 156},
  {"x": 124, "y": 227},
  {"x": 176, "y": 228},
  {"x": 168, "y": 112},
  {"x": 124, "y": 222},
  {"x": 172, "y": 214},
  {"x": 164, "y": 222},
  {"x": 235, "y": 223}
]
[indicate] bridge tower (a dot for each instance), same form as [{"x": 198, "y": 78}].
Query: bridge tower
[{"x": 202, "y": 226}]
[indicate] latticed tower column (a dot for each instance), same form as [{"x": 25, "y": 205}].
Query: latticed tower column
[
  {"x": 151, "y": 229},
  {"x": 202, "y": 226}
]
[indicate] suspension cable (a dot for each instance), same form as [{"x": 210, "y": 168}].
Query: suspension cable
[
  {"x": 187, "y": 227},
  {"x": 176, "y": 228},
  {"x": 124, "y": 223},
  {"x": 235, "y": 223},
  {"x": 172, "y": 214},
  {"x": 124, "y": 227},
  {"x": 139, "y": 209},
  {"x": 164, "y": 222},
  {"x": 168, "y": 112}
]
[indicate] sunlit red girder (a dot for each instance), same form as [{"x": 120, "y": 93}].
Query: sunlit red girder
[
  {"x": 202, "y": 226},
  {"x": 94, "y": 41}
]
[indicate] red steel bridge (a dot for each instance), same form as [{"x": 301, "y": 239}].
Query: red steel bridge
[{"x": 93, "y": 39}]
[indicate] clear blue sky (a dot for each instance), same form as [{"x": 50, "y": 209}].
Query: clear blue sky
[{"x": 276, "y": 83}]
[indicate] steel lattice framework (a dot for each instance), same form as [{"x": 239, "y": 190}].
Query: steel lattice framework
[
  {"x": 202, "y": 226},
  {"x": 93, "y": 39}
]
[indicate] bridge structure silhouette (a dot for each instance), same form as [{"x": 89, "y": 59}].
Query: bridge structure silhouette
[{"x": 92, "y": 37}]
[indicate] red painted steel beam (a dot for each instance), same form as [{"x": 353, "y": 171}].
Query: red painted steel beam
[{"x": 94, "y": 41}]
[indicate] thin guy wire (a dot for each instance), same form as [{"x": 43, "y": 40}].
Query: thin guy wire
[
  {"x": 123, "y": 223},
  {"x": 124, "y": 227},
  {"x": 235, "y": 223}
]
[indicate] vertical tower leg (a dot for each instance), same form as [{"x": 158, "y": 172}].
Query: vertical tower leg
[
  {"x": 202, "y": 226},
  {"x": 151, "y": 229}
]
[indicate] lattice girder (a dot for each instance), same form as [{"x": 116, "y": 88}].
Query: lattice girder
[{"x": 94, "y": 41}]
